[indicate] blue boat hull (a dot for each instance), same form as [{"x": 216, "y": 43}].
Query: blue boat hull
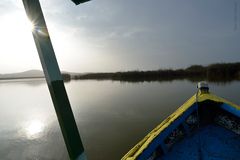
[{"x": 205, "y": 130}]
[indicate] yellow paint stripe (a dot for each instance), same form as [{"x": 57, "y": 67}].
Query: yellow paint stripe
[{"x": 143, "y": 144}]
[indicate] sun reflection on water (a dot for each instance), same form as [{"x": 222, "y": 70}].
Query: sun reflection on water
[{"x": 34, "y": 128}]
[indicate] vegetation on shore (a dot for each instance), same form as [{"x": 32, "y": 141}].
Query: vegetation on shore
[
  {"x": 219, "y": 72},
  {"x": 222, "y": 72}
]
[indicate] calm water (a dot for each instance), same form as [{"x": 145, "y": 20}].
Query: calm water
[{"x": 111, "y": 116}]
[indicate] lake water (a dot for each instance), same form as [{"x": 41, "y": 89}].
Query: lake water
[{"x": 111, "y": 116}]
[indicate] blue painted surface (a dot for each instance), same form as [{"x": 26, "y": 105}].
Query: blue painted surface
[
  {"x": 212, "y": 142},
  {"x": 160, "y": 138},
  {"x": 231, "y": 109}
]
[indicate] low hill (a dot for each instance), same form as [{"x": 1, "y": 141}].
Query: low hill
[
  {"x": 26, "y": 74},
  {"x": 33, "y": 74}
]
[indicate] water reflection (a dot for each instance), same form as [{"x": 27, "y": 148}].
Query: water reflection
[
  {"x": 34, "y": 129},
  {"x": 122, "y": 112},
  {"x": 28, "y": 81}
]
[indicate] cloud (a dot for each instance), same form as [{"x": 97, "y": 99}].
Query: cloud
[{"x": 139, "y": 32}]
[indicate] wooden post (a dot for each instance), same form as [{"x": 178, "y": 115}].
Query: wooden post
[{"x": 54, "y": 80}]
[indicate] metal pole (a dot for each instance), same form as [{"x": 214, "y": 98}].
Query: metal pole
[{"x": 54, "y": 80}]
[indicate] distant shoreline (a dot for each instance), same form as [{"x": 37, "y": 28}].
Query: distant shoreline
[
  {"x": 15, "y": 78},
  {"x": 218, "y": 72},
  {"x": 66, "y": 77}
]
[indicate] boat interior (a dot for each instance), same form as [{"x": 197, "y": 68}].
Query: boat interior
[{"x": 207, "y": 130}]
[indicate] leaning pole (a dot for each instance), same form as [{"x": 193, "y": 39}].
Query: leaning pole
[{"x": 54, "y": 79}]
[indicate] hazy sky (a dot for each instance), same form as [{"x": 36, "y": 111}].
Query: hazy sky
[{"x": 120, "y": 35}]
